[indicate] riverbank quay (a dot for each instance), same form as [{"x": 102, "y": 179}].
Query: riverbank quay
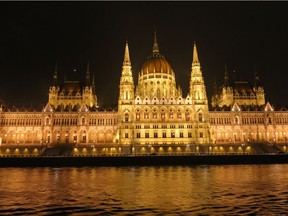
[{"x": 142, "y": 160}]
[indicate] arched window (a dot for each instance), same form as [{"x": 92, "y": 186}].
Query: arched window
[
  {"x": 236, "y": 120},
  {"x": 82, "y": 121},
  {"x": 84, "y": 137},
  {"x": 126, "y": 96},
  {"x": 154, "y": 114},
  {"x": 187, "y": 115},
  {"x": 48, "y": 138},
  {"x": 179, "y": 115},
  {"x": 126, "y": 117},
  {"x": 200, "y": 117},
  {"x": 162, "y": 115},
  {"x": 137, "y": 115},
  {"x": 171, "y": 114},
  {"x": 47, "y": 121},
  {"x": 75, "y": 137},
  {"x": 146, "y": 114},
  {"x": 172, "y": 134}
]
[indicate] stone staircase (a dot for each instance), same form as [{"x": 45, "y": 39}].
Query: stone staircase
[
  {"x": 58, "y": 150},
  {"x": 264, "y": 147}
]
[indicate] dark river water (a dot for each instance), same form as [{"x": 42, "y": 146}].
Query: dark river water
[{"x": 155, "y": 190}]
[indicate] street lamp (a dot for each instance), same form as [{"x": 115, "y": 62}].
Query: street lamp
[{"x": 243, "y": 145}]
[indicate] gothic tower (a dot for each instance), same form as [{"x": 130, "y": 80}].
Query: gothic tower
[
  {"x": 68, "y": 95},
  {"x": 54, "y": 89},
  {"x": 199, "y": 101},
  {"x": 89, "y": 97},
  {"x": 126, "y": 100}
]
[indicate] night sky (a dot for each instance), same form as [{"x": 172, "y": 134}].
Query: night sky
[{"x": 36, "y": 35}]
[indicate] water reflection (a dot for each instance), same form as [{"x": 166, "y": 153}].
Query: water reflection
[{"x": 187, "y": 190}]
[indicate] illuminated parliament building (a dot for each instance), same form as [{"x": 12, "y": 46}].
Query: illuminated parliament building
[{"x": 152, "y": 116}]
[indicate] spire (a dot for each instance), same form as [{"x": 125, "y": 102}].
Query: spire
[
  {"x": 215, "y": 87},
  {"x": 93, "y": 80},
  {"x": 88, "y": 70},
  {"x": 226, "y": 77},
  {"x": 256, "y": 77},
  {"x": 55, "y": 77},
  {"x": 195, "y": 61},
  {"x": 256, "y": 73},
  {"x": 155, "y": 45},
  {"x": 126, "y": 61},
  {"x": 88, "y": 74},
  {"x": 93, "y": 84}
]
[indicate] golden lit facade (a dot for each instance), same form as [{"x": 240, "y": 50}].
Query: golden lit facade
[
  {"x": 157, "y": 113},
  {"x": 152, "y": 116},
  {"x": 70, "y": 96},
  {"x": 238, "y": 126},
  {"x": 240, "y": 92},
  {"x": 52, "y": 127}
]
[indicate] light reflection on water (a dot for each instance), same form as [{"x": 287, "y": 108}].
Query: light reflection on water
[{"x": 158, "y": 190}]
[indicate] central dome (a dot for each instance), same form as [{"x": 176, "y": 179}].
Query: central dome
[
  {"x": 156, "y": 77},
  {"x": 156, "y": 64}
]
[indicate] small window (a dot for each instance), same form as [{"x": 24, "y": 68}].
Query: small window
[
  {"x": 200, "y": 117},
  {"x": 201, "y": 135},
  {"x": 126, "y": 117}
]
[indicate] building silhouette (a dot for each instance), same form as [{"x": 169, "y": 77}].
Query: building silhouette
[{"x": 152, "y": 116}]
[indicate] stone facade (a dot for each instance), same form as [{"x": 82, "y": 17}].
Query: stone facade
[{"x": 152, "y": 116}]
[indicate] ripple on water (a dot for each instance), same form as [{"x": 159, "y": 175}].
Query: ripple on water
[{"x": 198, "y": 190}]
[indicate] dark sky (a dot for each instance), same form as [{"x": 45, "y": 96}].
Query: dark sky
[{"x": 34, "y": 35}]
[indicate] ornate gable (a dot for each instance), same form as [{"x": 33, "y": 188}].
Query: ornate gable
[
  {"x": 83, "y": 108},
  {"x": 268, "y": 107},
  {"x": 48, "y": 108},
  {"x": 236, "y": 108}
]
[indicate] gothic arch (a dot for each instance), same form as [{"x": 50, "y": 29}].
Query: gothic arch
[
  {"x": 155, "y": 101},
  {"x": 101, "y": 136},
  {"x": 146, "y": 100},
  {"x": 92, "y": 136},
  {"x": 109, "y": 136},
  {"x": 138, "y": 100},
  {"x": 28, "y": 136},
  {"x": 188, "y": 100},
  {"x": 163, "y": 100}
]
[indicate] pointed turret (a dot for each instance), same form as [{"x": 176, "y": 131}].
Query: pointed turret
[
  {"x": 226, "y": 77},
  {"x": 155, "y": 45},
  {"x": 55, "y": 76},
  {"x": 215, "y": 88},
  {"x": 54, "y": 89},
  {"x": 195, "y": 61},
  {"x": 126, "y": 98},
  {"x": 256, "y": 77},
  {"x": 93, "y": 80},
  {"x": 126, "y": 68},
  {"x": 88, "y": 81},
  {"x": 126, "y": 81},
  {"x": 126, "y": 61},
  {"x": 198, "y": 96},
  {"x": 197, "y": 87},
  {"x": 93, "y": 83}
]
